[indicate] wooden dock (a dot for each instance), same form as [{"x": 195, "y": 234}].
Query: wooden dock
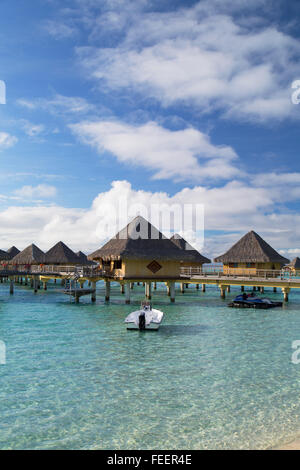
[
  {"x": 37, "y": 276},
  {"x": 77, "y": 293}
]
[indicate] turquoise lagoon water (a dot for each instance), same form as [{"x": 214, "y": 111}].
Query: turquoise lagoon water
[{"x": 211, "y": 378}]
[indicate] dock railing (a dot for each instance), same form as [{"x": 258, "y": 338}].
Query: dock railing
[
  {"x": 48, "y": 269},
  {"x": 190, "y": 272}
]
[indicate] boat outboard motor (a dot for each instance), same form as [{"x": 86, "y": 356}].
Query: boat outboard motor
[{"x": 142, "y": 321}]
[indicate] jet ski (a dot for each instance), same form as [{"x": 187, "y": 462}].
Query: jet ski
[{"x": 251, "y": 301}]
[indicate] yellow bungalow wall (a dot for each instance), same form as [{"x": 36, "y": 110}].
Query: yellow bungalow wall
[
  {"x": 243, "y": 268},
  {"x": 138, "y": 269}
]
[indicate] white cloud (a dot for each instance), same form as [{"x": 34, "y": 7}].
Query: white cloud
[
  {"x": 200, "y": 57},
  {"x": 7, "y": 140},
  {"x": 39, "y": 176},
  {"x": 183, "y": 154},
  {"x": 273, "y": 178},
  {"x": 39, "y": 191},
  {"x": 293, "y": 251},
  {"x": 230, "y": 211},
  {"x": 59, "y": 30},
  {"x": 26, "y": 103},
  {"x": 33, "y": 130},
  {"x": 59, "y": 104}
]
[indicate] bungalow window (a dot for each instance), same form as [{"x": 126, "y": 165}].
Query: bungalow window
[
  {"x": 233, "y": 265},
  {"x": 118, "y": 264}
]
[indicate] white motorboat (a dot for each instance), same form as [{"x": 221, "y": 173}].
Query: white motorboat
[{"x": 147, "y": 318}]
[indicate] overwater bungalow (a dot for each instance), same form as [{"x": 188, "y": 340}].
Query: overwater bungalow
[
  {"x": 140, "y": 251},
  {"x": 294, "y": 265},
  {"x": 197, "y": 260},
  {"x": 32, "y": 255},
  {"x": 250, "y": 254},
  {"x": 61, "y": 254},
  {"x": 4, "y": 256},
  {"x": 12, "y": 252},
  {"x": 83, "y": 259}
]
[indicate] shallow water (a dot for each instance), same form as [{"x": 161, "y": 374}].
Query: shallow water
[{"x": 211, "y": 377}]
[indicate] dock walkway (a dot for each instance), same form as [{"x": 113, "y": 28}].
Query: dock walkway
[{"x": 33, "y": 275}]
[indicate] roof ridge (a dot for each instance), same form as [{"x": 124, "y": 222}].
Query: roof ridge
[
  {"x": 181, "y": 243},
  {"x": 251, "y": 248},
  {"x": 140, "y": 242}
]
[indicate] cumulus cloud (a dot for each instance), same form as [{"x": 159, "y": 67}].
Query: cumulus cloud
[
  {"x": 7, "y": 140},
  {"x": 230, "y": 211},
  {"x": 203, "y": 56},
  {"x": 182, "y": 154},
  {"x": 39, "y": 191}
]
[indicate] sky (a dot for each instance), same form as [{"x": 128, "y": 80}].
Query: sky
[{"x": 149, "y": 102}]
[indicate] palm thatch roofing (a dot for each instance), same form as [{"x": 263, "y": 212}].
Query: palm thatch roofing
[
  {"x": 12, "y": 252},
  {"x": 295, "y": 263},
  {"x": 83, "y": 259},
  {"x": 140, "y": 240},
  {"x": 184, "y": 245},
  {"x": 4, "y": 256},
  {"x": 61, "y": 254},
  {"x": 31, "y": 255},
  {"x": 251, "y": 248}
]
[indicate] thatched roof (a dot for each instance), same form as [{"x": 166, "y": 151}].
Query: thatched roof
[
  {"x": 83, "y": 259},
  {"x": 31, "y": 255},
  {"x": 184, "y": 245},
  {"x": 4, "y": 256},
  {"x": 251, "y": 248},
  {"x": 12, "y": 252},
  {"x": 61, "y": 254},
  {"x": 295, "y": 263},
  {"x": 140, "y": 240}
]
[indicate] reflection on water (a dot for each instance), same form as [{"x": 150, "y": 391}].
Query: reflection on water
[
  {"x": 182, "y": 329},
  {"x": 211, "y": 377}
]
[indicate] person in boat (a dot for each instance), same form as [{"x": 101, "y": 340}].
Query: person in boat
[{"x": 245, "y": 296}]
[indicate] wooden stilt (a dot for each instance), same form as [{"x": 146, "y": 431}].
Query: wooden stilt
[
  {"x": 172, "y": 292},
  {"x": 107, "y": 290},
  {"x": 222, "y": 289},
  {"x": 286, "y": 291},
  {"x": 11, "y": 287},
  {"x": 127, "y": 290},
  {"x": 148, "y": 290},
  {"x": 93, "y": 296}
]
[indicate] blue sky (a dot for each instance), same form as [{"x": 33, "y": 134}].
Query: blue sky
[{"x": 170, "y": 102}]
